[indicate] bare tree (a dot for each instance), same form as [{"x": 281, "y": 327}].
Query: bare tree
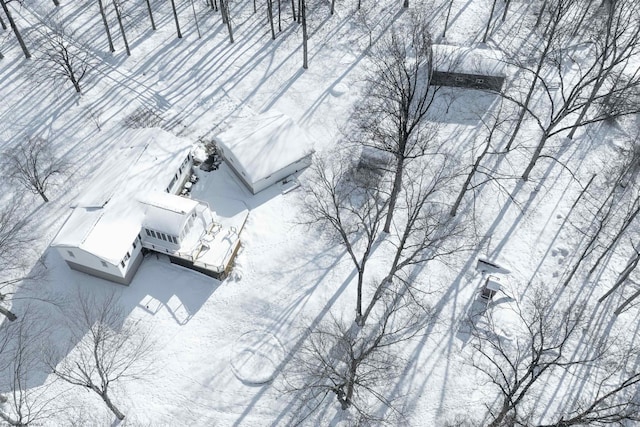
[
  {"x": 543, "y": 341},
  {"x": 392, "y": 114},
  {"x": 346, "y": 199},
  {"x": 613, "y": 399},
  {"x": 617, "y": 204},
  {"x": 32, "y": 163},
  {"x": 616, "y": 40},
  {"x": 20, "y": 359},
  {"x": 13, "y": 242},
  {"x": 356, "y": 365},
  {"x": 109, "y": 347},
  {"x": 493, "y": 127},
  {"x": 553, "y": 34},
  {"x": 60, "y": 56},
  {"x": 424, "y": 230},
  {"x": 14, "y": 27},
  {"x": 573, "y": 81}
]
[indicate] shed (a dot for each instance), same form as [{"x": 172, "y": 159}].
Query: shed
[
  {"x": 264, "y": 149},
  {"x": 473, "y": 68}
]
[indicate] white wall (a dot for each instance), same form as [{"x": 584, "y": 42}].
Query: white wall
[{"x": 87, "y": 259}]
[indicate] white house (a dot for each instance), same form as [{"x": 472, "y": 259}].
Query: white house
[
  {"x": 264, "y": 149},
  {"x": 132, "y": 204}
]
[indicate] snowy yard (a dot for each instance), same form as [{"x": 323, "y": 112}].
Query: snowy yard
[{"x": 231, "y": 352}]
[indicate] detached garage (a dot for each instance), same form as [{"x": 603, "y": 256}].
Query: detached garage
[
  {"x": 264, "y": 149},
  {"x": 458, "y": 66}
]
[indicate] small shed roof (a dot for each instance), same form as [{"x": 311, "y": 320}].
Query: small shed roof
[
  {"x": 493, "y": 283},
  {"x": 265, "y": 143},
  {"x": 466, "y": 60}
]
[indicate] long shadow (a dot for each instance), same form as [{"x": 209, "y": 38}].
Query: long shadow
[{"x": 297, "y": 344}]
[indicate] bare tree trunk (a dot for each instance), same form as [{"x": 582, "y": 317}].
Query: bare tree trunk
[
  {"x": 56, "y": 2},
  {"x": 623, "y": 276},
  {"x": 305, "y": 36},
  {"x": 486, "y": 31},
  {"x": 465, "y": 187},
  {"x": 106, "y": 26},
  {"x": 270, "y": 17},
  {"x": 616, "y": 239},
  {"x": 279, "y": 15},
  {"x": 110, "y": 405},
  {"x": 14, "y": 27},
  {"x": 536, "y": 155},
  {"x": 446, "y": 22},
  {"x": 224, "y": 10},
  {"x": 293, "y": 9},
  {"x": 2, "y": 24},
  {"x": 395, "y": 191},
  {"x": 405, "y": 4},
  {"x": 593, "y": 239},
  {"x": 627, "y": 302},
  {"x": 121, "y": 25},
  {"x": 586, "y": 107},
  {"x": 544, "y": 6},
  {"x": 8, "y": 314},
  {"x": 333, "y": 7},
  {"x": 506, "y": 9},
  {"x": 175, "y": 16},
  {"x": 153, "y": 24},
  {"x": 532, "y": 88},
  {"x": 195, "y": 18}
]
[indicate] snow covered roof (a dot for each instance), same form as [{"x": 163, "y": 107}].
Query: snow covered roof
[
  {"x": 493, "y": 283},
  {"x": 265, "y": 143},
  {"x": 466, "y": 60},
  {"x": 166, "y": 212},
  {"x": 107, "y": 217}
]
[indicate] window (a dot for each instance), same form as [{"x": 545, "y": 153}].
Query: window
[
  {"x": 104, "y": 264},
  {"x": 175, "y": 239},
  {"x": 134, "y": 244},
  {"x": 71, "y": 254},
  {"x": 147, "y": 231},
  {"x": 163, "y": 236},
  {"x": 459, "y": 79},
  {"x": 122, "y": 264},
  {"x": 127, "y": 256},
  {"x": 479, "y": 81},
  {"x": 153, "y": 234}
]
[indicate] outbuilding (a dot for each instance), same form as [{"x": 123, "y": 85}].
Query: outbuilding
[
  {"x": 472, "y": 68},
  {"x": 263, "y": 149}
]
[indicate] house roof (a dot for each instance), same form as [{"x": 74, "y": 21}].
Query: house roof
[
  {"x": 166, "y": 212},
  {"x": 107, "y": 217},
  {"x": 466, "y": 60},
  {"x": 265, "y": 143}
]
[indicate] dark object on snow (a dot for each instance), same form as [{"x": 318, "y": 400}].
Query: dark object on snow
[
  {"x": 210, "y": 164},
  {"x": 466, "y": 67},
  {"x": 491, "y": 287}
]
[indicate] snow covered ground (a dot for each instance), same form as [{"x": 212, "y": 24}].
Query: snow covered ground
[{"x": 220, "y": 347}]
